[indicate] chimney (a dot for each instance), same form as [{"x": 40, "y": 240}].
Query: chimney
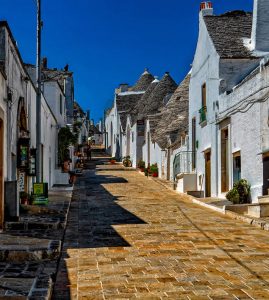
[
  {"x": 124, "y": 87},
  {"x": 45, "y": 63},
  {"x": 260, "y": 26},
  {"x": 206, "y": 8}
]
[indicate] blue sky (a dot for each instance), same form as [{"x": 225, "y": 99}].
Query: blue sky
[{"x": 107, "y": 42}]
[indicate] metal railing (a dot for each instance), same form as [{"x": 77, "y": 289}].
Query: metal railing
[
  {"x": 183, "y": 162},
  {"x": 202, "y": 113}
]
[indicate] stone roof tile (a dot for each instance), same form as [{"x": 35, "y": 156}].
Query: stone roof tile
[
  {"x": 227, "y": 32},
  {"x": 174, "y": 117},
  {"x": 155, "y": 101}
]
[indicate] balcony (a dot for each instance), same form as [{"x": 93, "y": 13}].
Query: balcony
[{"x": 202, "y": 113}]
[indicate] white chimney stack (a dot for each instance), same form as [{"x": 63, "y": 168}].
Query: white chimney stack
[
  {"x": 206, "y": 8},
  {"x": 260, "y": 26}
]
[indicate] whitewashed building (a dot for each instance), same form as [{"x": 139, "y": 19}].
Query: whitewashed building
[{"x": 227, "y": 132}]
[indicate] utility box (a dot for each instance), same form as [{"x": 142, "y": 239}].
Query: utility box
[{"x": 11, "y": 200}]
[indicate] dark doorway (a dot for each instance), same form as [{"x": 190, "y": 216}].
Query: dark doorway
[
  {"x": 208, "y": 174},
  {"x": 266, "y": 174}
]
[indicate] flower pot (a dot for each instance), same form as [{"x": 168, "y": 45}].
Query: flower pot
[
  {"x": 154, "y": 174},
  {"x": 112, "y": 162},
  {"x": 24, "y": 201}
]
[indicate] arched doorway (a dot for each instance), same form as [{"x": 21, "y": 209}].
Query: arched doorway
[
  {"x": 128, "y": 141},
  {"x": 23, "y": 146}
]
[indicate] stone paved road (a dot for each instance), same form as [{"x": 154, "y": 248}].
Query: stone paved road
[{"x": 130, "y": 238}]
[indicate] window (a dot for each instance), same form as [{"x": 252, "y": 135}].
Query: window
[
  {"x": 236, "y": 166},
  {"x": 203, "y": 109},
  {"x": 204, "y": 95}
]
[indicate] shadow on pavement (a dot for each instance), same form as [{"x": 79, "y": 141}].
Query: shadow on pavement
[{"x": 92, "y": 214}]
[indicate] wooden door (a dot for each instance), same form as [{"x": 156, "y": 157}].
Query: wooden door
[
  {"x": 225, "y": 160},
  {"x": 208, "y": 174}
]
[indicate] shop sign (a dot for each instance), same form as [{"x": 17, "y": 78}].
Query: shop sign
[
  {"x": 38, "y": 189},
  {"x": 32, "y": 163},
  {"x": 23, "y": 153}
]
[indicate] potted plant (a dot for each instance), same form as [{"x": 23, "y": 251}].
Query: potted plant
[
  {"x": 24, "y": 198},
  {"x": 127, "y": 162},
  {"x": 240, "y": 192},
  {"x": 141, "y": 165},
  {"x": 154, "y": 170},
  {"x": 112, "y": 160},
  {"x": 146, "y": 172}
]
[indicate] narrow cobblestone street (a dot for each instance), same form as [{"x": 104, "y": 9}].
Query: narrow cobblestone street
[{"x": 129, "y": 237}]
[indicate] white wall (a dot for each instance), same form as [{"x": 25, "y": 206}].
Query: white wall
[
  {"x": 49, "y": 142},
  {"x": 156, "y": 152},
  {"x": 205, "y": 70},
  {"x": 53, "y": 94},
  {"x": 249, "y": 128}
]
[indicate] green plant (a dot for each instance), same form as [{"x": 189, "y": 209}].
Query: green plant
[
  {"x": 233, "y": 196},
  {"x": 240, "y": 192},
  {"x": 65, "y": 139},
  {"x": 112, "y": 158},
  {"x": 126, "y": 161},
  {"x": 154, "y": 168},
  {"x": 141, "y": 164}
]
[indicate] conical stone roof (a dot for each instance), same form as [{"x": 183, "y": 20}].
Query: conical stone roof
[
  {"x": 143, "y": 82},
  {"x": 174, "y": 117},
  {"x": 155, "y": 100},
  {"x": 137, "y": 112}
]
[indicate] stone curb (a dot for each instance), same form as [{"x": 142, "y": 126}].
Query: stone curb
[
  {"x": 261, "y": 224},
  {"x": 51, "y": 287}
]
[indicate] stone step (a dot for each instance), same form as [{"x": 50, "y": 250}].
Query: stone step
[
  {"x": 22, "y": 248},
  {"x": 29, "y": 280},
  {"x": 263, "y": 199},
  {"x": 259, "y": 210},
  {"x": 196, "y": 194},
  {"x": 20, "y": 225}
]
